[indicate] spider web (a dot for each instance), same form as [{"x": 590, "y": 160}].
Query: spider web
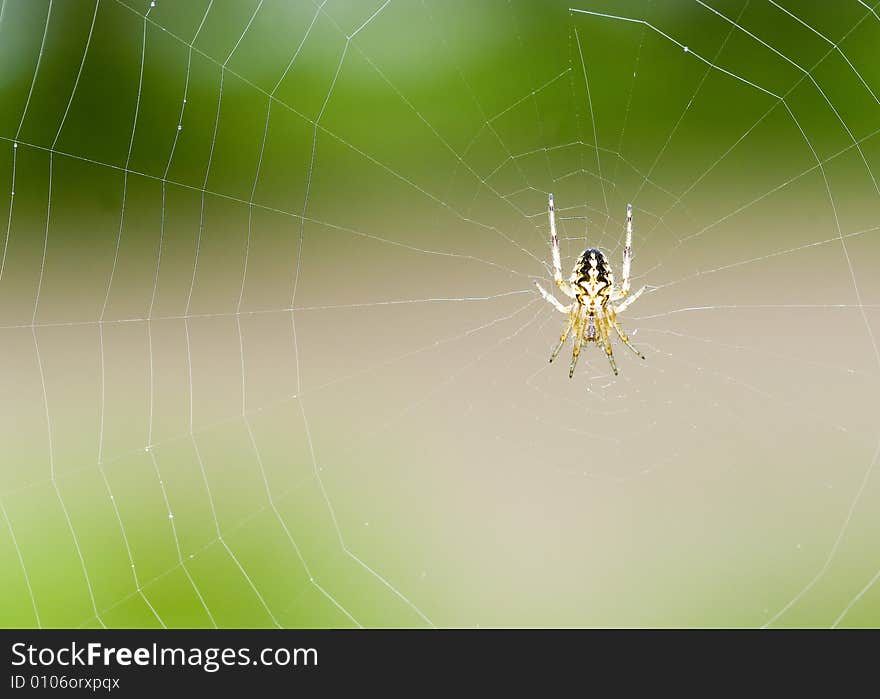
[{"x": 272, "y": 355}]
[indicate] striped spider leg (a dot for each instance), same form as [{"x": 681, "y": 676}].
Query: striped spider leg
[{"x": 623, "y": 292}]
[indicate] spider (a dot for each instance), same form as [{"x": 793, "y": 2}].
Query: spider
[{"x": 592, "y": 312}]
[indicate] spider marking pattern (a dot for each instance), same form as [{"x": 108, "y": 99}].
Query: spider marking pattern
[{"x": 595, "y": 300}]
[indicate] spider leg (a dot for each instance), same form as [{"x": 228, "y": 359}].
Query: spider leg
[
  {"x": 565, "y": 288},
  {"x": 578, "y": 342},
  {"x": 613, "y": 320},
  {"x": 563, "y": 337},
  {"x": 563, "y": 285},
  {"x": 604, "y": 328},
  {"x": 628, "y": 302},
  {"x": 627, "y": 252},
  {"x": 554, "y": 242},
  {"x": 550, "y": 298}
]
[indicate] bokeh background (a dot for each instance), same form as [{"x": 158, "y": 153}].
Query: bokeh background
[{"x": 270, "y": 353}]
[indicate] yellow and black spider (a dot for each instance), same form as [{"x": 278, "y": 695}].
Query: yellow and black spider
[{"x": 592, "y": 312}]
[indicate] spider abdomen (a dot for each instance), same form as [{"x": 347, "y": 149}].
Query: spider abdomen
[{"x": 593, "y": 277}]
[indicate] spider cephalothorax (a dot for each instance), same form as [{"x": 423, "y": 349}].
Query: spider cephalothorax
[{"x": 592, "y": 313}]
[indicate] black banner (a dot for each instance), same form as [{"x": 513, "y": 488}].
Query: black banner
[{"x": 136, "y": 662}]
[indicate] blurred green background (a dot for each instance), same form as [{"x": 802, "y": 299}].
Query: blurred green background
[{"x": 272, "y": 355}]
